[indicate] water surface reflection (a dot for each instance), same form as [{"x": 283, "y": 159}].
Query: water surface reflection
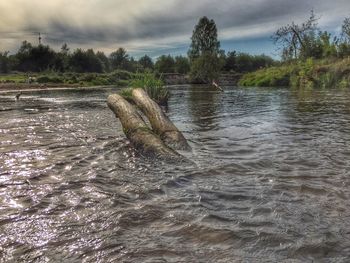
[{"x": 271, "y": 180}]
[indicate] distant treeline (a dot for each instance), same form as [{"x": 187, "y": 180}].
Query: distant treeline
[{"x": 39, "y": 58}]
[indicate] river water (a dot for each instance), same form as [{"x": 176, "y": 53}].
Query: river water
[{"x": 270, "y": 180}]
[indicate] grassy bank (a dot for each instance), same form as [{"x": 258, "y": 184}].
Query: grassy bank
[
  {"x": 328, "y": 73},
  {"x": 120, "y": 78},
  {"x": 154, "y": 86}
]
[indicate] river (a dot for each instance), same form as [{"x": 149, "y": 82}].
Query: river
[{"x": 270, "y": 180}]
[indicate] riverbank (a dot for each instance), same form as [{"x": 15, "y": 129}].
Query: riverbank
[
  {"x": 18, "y": 81},
  {"x": 33, "y": 86},
  {"x": 327, "y": 73},
  {"x": 11, "y": 88}
]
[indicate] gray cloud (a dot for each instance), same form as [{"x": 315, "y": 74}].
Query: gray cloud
[{"x": 145, "y": 25}]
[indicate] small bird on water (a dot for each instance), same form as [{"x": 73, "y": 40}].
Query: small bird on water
[{"x": 18, "y": 95}]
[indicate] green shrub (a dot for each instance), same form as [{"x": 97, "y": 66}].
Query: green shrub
[
  {"x": 88, "y": 77},
  {"x": 49, "y": 79},
  {"x": 151, "y": 84},
  {"x": 269, "y": 77},
  {"x": 121, "y": 74}
]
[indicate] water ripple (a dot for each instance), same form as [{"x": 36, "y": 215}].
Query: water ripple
[{"x": 269, "y": 183}]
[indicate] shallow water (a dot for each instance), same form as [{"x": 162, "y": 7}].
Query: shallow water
[{"x": 270, "y": 181}]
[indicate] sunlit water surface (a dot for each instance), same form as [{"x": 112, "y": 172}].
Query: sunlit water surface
[{"x": 271, "y": 179}]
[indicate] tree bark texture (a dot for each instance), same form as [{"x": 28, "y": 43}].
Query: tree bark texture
[
  {"x": 137, "y": 131},
  {"x": 160, "y": 123}
]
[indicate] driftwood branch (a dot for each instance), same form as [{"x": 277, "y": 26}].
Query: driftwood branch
[
  {"x": 217, "y": 86},
  {"x": 160, "y": 123},
  {"x": 136, "y": 130}
]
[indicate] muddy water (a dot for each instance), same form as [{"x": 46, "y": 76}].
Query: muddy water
[{"x": 271, "y": 179}]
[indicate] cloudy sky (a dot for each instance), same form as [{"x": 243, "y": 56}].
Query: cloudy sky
[{"x": 157, "y": 26}]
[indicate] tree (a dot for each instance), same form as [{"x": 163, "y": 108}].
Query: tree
[
  {"x": 35, "y": 58},
  {"x": 206, "y": 68},
  {"x": 346, "y": 29},
  {"x": 62, "y": 58},
  {"x": 132, "y": 65},
  {"x": 85, "y": 61},
  {"x": 4, "y": 62},
  {"x": 22, "y": 58},
  {"x": 26, "y": 47},
  {"x": 294, "y": 38},
  {"x": 182, "y": 65},
  {"x": 204, "y": 52},
  {"x": 329, "y": 48},
  {"x": 65, "y": 49},
  {"x": 104, "y": 61},
  {"x": 244, "y": 62},
  {"x": 146, "y": 62},
  {"x": 165, "y": 64},
  {"x": 230, "y": 61},
  {"x": 119, "y": 59},
  {"x": 204, "y": 39},
  {"x": 343, "y": 49}
]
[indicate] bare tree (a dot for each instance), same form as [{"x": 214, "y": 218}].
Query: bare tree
[{"x": 291, "y": 38}]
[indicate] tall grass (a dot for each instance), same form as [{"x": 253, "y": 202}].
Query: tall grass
[{"x": 151, "y": 84}]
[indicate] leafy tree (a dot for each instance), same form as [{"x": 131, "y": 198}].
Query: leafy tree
[
  {"x": 206, "y": 68},
  {"x": 62, "y": 59},
  {"x": 104, "y": 61},
  {"x": 165, "y": 64},
  {"x": 249, "y": 63},
  {"x": 244, "y": 62},
  {"x": 262, "y": 61},
  {"x": 346, "y": 29},
  {"x": 119, "y": 59},
  {"x": 43, "y": 57},
  {"x": 343, "y": 49},
  {"x": 4, "y": 62},
  {"x": 204, "y": 39},
  {"x": 146, "y": 62},
  {"x": 85, "y": 61},
  {"x": 329, "y": 47},
  {"x": 22, "y": 58},
  {"x": 230, "y": 61},
  {"x": 26, "y": 47},
  {"x": 65, "y": 49},
  {"x": 204, "y": 52},
  {"x": 343, "y": 44},
  {"x": 133, "y": 65},
  {"x": 182, "y": 65},
  {"x": 37, "y": 58},
  {"x": 294, "y": 38}
]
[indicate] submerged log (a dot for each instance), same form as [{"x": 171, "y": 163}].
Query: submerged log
[
  {"x": 160, "y": 123},
  {"x": 137, "y": 131}
]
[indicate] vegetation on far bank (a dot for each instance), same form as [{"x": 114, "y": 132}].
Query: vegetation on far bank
[
  {"x": 118, "y": 77},
  {"x": 310, "y": 73},
  {"x": 205, "y": 60},
  {"x": 310, "y": 58}
]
